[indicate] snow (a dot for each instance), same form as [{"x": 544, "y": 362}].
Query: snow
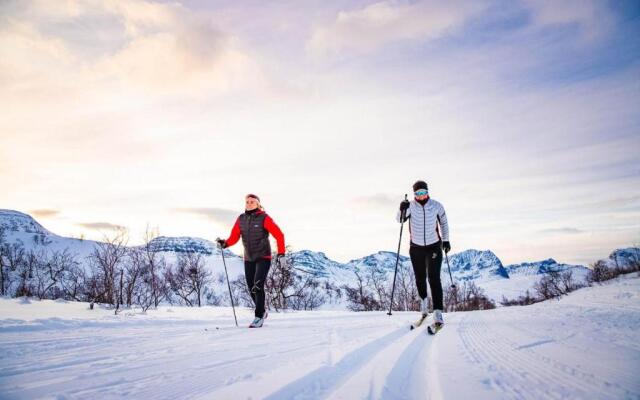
[
  {"x": 481, "y": 266},
  {"x": 11, "y": 220},
  {"x": 581, "y": 346}
]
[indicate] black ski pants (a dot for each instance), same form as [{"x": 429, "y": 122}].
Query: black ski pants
[
  {"x": 256, "y": 274},
  {"x": 427, "y": 262}
]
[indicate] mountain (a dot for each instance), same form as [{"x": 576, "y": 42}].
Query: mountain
[
  {"x": 477, "y": 265},
  {"x": 541, "y": 267},
  {"x": 15, "y": 221},
  {"x": 481, "y": 266},
  {"x": 624, "y": 257},
  {"x": 25, "y": 230},
  {"x": 187, "y": 244},
  {"x": 316, "y": 263},
  {"x": 385, "y": 259}
]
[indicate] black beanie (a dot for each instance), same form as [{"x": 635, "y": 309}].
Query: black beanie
[{"x": 420, "y": 185}]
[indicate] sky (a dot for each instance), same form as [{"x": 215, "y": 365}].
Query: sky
[{"x": 522, "y": 116}]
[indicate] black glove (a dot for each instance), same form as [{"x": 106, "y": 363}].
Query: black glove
[
  {"x": 446, "y": 246},
  {"x": 404, "y": 206},
  {"x": 222, "y": 243},
  {"x": 280, "y": 258}
]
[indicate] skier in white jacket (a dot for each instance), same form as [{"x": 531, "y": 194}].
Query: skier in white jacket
[{"x": 429, "y": 236}]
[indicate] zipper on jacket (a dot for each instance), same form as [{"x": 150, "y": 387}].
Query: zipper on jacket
[
  {"x": 424, "y": 224},
  {"x": 249, "y": 235}
]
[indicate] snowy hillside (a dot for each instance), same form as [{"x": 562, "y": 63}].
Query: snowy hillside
[
  {"x": 583, "y": 346},
  {"x": 477, "y": 265},
  {"x": 23, "y": 229},
  {"x": 480, "y": 266},
  {"x": 540, "y": 267},
  {"x": 15, "y": 221},
  {"x": 522, "y": 277},
  {"x": 184, "y": 244}
]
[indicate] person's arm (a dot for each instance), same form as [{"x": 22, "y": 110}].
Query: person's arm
[
  {"x": 444, "y": 225},
  {"x": 275, "y": 231},
  {"x": 235, "y": 234}
]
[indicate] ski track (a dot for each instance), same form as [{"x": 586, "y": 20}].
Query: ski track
[
  {"x": 584, "y": 347},
  {"x": 531, "y": 371}
]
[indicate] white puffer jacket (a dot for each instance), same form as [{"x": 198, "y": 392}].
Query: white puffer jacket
[{"x": 424, "y": 221}]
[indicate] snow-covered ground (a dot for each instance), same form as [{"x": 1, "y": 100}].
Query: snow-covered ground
[{"x": 584, "y": 346}]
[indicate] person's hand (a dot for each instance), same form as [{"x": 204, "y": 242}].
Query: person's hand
[
  {"x": 221, "y": 243},
  {"x": 404, "y": 206},
  {"x": 280, "y": 258},
  {"x": 446, "y": 246}
]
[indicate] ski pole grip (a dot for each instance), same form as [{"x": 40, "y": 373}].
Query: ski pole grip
[{"x": 404, "y": 212}]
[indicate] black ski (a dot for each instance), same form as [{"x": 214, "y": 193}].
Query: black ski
[
  {"x": 434, "y": 328},
  {"x": 418, "y": 322}
]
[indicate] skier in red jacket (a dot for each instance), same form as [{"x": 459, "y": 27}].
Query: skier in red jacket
[{"x": 254, "y": 227}]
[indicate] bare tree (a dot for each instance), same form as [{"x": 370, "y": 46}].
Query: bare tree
[
  {"x": 155, "y": 268},
  {"x": 555, "y": 284},
  {"x": 522, "y": 300},
  {"x": 199, "y": 276},
  {"x": 26, "y": 271},
  {"x": 11, "y": 259},
  {"x": 74, "y": 281},
  {"x": 240, "y": 292},
  {"x": 406, "y": 294},
  {"x": 467, "y": 297},
  {"x": 4, "y": 265},
  {"x": 49, "y": 271},
  {"x": 134, "y": 269},
  {"x": 278, "y": 283},
  {"x": 189, "y": 279},
  {"x": 290, "y": 287},
  {"x": 362, "y": 297},
  {"x": 107, "y": 261}
]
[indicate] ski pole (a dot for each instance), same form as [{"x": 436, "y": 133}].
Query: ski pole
[
  {"x": 228, "y": 285},
  {"x": 453, "y": 286},
  {"x": 393, "y": 287}
]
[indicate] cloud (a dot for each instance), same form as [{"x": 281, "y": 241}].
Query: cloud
[
  {"x": 221, "y": 215},
  {"x": 570, "y": 231},
  {"x": 592, "y": 18},
  {"x": 44, "y": 213},
  {"x": 367, "y": 29},
  {"x": 377, "y": 200},
  {"x": 133, "y": 48},
  {"x": 101, "y": 226},
  {"x": 91, "y": 78}
]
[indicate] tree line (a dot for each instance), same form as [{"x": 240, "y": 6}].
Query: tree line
[
  {"x": 114, "y": 274},
  {"x": 121, "y": 277},
  {"x": 556, "y": 284}
]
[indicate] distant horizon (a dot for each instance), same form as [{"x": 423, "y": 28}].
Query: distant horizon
[
  {"x": 522, "y": 117},
  {"x": 238, "y": 248}
]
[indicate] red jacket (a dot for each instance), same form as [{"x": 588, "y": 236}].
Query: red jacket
[{"x": 269, "y": 225}]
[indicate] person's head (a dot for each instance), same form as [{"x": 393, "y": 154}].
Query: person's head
[
  {"x": 252, "y": 202},
  {"x": 420, "y": 190}
]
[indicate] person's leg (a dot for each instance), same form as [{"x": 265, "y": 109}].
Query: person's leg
[
  {"x": 418, "y": 261},
  {"x": 434, "y": 264},
  {"x": 262, "y": 269},
  {"x": 249, "y": 274}
]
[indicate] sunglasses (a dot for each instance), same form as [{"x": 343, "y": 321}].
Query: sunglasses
[{"x": 421, "y": 192}]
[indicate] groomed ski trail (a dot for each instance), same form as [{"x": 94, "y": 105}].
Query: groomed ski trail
[{"x": 582, "y": 346}]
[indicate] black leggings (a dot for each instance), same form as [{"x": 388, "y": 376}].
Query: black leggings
[
  {"x": 256, "y": 274},
  {"x": 427, "y": 261}
]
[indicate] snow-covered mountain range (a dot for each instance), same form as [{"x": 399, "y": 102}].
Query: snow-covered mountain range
[{"x": 481, "y": 266}]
